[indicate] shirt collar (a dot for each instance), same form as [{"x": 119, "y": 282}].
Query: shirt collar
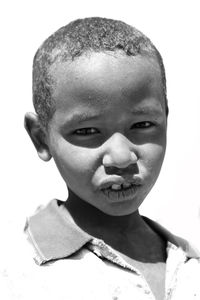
[
  {"x": 54, "y": 234},
  {"x": 187, "y": 247}
]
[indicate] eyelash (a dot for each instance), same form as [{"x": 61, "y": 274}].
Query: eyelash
[
  {"x": 92, "y": 130},
  {"x": 86, "y": 131},
  {"x": 143, "y": 125}
]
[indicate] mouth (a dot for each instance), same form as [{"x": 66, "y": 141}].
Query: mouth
[{"x": 117, "y": 192}]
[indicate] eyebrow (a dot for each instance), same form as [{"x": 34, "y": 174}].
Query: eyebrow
[
  {"x": 147, "y": 110},
  {"x": 81, "y": 117},
  {"x": 78, "y": 118}
]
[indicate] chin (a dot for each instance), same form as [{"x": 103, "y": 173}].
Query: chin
[{"x": 120, "y": 209}]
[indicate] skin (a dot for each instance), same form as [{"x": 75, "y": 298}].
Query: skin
[
  {"x": 109, "y": 127},
  {"x": 112, "y": 91}
]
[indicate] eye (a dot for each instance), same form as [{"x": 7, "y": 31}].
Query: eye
[
  {"x": 142, "y": 125},
  {"x": 86, "y": 131}
]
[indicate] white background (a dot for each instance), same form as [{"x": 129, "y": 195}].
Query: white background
[{"x": 174, "y": 27}]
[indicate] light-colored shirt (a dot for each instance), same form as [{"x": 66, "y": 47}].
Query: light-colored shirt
[{"x": 72, "y": 265}]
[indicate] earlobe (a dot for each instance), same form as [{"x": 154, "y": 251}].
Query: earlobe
[{"x": 37, "y": 135}]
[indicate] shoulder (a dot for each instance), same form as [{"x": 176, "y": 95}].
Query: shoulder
[
  {"x": 57, "y": 277},
  {"x": 21, "y": 278},
  {"x": 66, "y": 278},
  {"x": 190, "y": 250}
]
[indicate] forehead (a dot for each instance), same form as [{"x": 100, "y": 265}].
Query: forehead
[{"x": 94, "y": 79}]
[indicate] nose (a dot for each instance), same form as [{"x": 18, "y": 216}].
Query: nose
[{"x": 119, "y": 152}]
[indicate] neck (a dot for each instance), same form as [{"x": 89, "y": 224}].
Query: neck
[
  {"x": 129, "y": 234},
  {"x": 96, "y": 222}
]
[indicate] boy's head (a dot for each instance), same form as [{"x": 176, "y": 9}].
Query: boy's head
[
  {"x": 75, "y": 39},
  {"x": 100, "y": 94}
]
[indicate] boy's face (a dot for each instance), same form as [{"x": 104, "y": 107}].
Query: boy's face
[{"x": 108, "y": 133}]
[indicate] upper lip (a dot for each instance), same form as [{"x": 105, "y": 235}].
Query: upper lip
[{"x": 119, "y": 180}]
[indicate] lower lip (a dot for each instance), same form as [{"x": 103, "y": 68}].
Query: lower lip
[{"x": 121, "y": 195}]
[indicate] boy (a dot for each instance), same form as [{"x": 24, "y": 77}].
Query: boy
[{"x": 99, "y": 91}]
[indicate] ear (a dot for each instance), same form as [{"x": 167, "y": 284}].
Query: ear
[{"x": 37, "y": 135}]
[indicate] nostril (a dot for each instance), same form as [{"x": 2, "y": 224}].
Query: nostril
[
  {"x": 112, "y": 170},
  {"x": 129, "y": 171}
]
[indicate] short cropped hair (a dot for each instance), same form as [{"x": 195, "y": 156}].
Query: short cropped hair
[{"x": 78, "y": 37}]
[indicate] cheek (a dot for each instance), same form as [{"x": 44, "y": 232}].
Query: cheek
[
  {"x": 152, "y": 156},
  {"x": 73, "y": 160}
]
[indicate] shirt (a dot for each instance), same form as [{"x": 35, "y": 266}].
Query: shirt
[{"x": 71, "y": 264}]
